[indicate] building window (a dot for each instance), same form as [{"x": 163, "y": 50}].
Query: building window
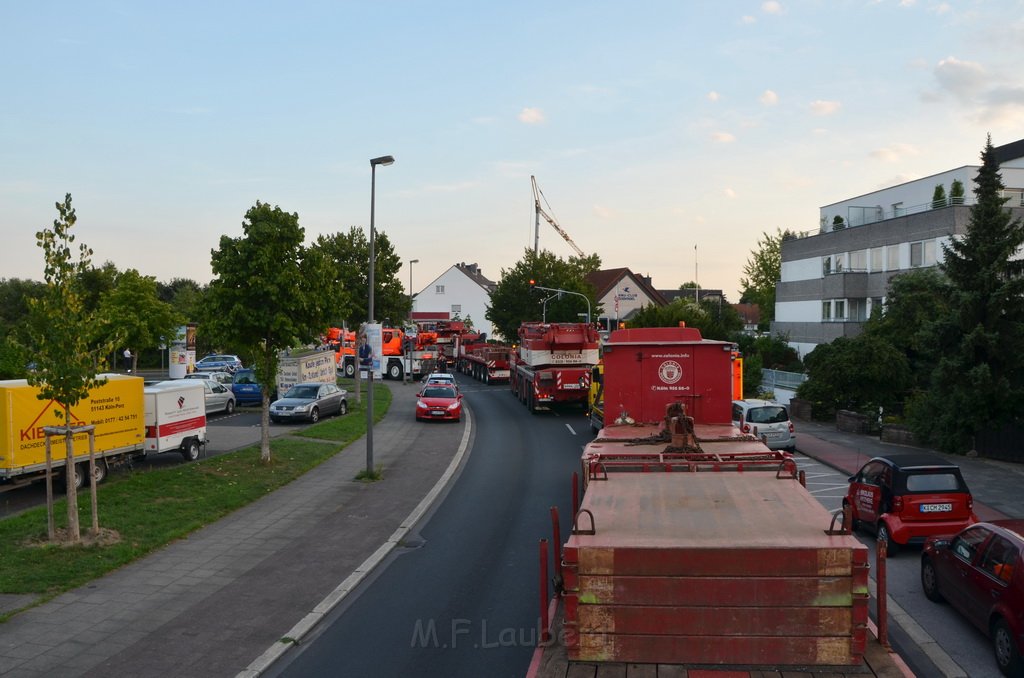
[
  {"x": 826, "y": 265},
  {"x": 456, "y": 309},
  {"x": 840, "y": 309},
  {"x": 438, "y": 289},
  {"x": 892, "y": 258},
  {"x": 859, "y": 260},
  {"x": 877, "y": 257},
  {"x": 826, "y": 310},
  {"x": 922, "y": 253},
  {"x": 858, "y": 310}
]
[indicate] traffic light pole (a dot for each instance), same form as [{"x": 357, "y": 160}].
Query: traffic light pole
[{"x": 552, "y": 289}]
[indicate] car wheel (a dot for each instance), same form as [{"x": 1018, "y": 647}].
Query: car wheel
[
  {"x": 275, "y": 420},
  {"x": 1007, "y": 655},
  {"x": 191, "y": 450},
  {"x": 314, "y": 415},
  {"x": 891, "y": 547},
  {"x": 344, "y": 407},
  {"x": 230, "y": 407},
  {"x": 929, "y": 582}
]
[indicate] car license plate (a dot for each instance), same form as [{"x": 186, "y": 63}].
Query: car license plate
[
  {"x": 437, "y": 413},
  {"x": 936, "y": 508},
  {"x": 775, "y": 434},
  {"x": 571, "y": 386}
]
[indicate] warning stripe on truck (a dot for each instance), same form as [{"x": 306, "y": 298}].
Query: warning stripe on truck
[{"x": 173, "y": 427}]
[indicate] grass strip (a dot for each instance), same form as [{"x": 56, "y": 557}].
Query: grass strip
[{"x": 149, "y": 509}]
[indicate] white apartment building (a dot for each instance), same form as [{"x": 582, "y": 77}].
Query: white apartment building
[{"x": 832, "y": 279}]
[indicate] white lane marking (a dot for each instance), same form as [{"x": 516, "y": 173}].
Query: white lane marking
[{"x": 568, "y": 426}]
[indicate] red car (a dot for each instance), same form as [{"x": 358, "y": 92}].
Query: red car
[
  {"x": 439, "y": 401},
  {"x": 907, "y": 497},
  {"x": 980, "y": 571}
]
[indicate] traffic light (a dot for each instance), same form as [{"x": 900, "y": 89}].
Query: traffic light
[{"x": 533, "y": 284}]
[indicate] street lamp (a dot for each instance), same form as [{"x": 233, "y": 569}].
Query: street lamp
[
  {"x": 411, "y": 262},
  {"x": 382, "y": 160}
]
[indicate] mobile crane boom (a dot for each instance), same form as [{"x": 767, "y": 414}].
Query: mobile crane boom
[{"x": 537, "y": 195}]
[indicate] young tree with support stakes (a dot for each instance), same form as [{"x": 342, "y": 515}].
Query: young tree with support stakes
[
  {"x": 58, "y": 329},
  {"x": 270, "y": 293}
]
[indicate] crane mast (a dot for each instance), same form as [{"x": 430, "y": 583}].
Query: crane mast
[{"x": 539, "y": 212}]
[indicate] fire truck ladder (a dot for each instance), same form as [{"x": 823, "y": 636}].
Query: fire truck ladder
[{"x": 539, "y": 212}]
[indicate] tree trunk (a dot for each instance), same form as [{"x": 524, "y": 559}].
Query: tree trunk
[
  {"x": 51, "y": 530},
  {"x": 265, "y": 426}
]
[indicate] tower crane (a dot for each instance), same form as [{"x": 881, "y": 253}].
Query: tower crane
[{"x": 537, "y": 195}]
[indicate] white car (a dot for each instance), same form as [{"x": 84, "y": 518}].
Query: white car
[
  {"x": 221, "y": 377},
  {"x": 767, "y": 420}
]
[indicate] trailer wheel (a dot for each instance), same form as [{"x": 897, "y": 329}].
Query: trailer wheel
[
  {"x": 100, "y": 471},
  {"x": 395, "y": 371},
  {"x": 190, "y": 449},
  {"x": 78, "y": 476},
  {"x": 350, "y": 370}
]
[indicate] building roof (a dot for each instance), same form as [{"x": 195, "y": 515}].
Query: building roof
[
  {"x": 1010, "y": 151},
  {"x": 473, "y": 272},
  {"x": 702, "y": 294},
  {"x": 604, "y": 281}
]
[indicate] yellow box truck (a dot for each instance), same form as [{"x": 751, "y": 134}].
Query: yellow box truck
[{"x": 115, "y": 408}]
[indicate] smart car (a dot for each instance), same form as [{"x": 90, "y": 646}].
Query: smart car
[
  {"x": 439, "y": 401},
  {"x": 980, "y": 572},
  {"x": 906, "y": 497},
  {"x": 246, "y": 388},
  {"x": 309, "y": 401}
]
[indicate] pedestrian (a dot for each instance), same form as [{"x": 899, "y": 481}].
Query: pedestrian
[
  {"x": 365, "y": 354},
  {"x": 128, "y": 360}
]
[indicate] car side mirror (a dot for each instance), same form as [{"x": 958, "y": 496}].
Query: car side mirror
[
  {"x": 941, "y": 544},
  {"x": 851, "y": 479}
]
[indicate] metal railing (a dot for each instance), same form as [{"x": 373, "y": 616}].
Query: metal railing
[{"x": 772, "y": 379}]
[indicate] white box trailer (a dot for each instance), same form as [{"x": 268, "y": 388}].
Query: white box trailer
[{"x": 175, "y": 417}]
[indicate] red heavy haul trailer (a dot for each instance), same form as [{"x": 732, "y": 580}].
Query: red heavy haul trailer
[
  {"x": 486, "y": 362},
  {"x": 551, "y": 364},
  {"x": 736, "y": 565}
]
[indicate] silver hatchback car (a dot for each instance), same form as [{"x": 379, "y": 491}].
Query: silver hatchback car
[{"x": 767, "y": 420}]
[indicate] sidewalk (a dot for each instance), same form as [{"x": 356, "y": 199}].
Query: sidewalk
[
  {"x": 995, "y": 485},
  {"x": 220, "y": 601}
]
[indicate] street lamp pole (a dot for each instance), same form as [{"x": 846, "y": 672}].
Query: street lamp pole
[
  {"x": 411, "y": 262},
  {"x": 383, "y": 160}
]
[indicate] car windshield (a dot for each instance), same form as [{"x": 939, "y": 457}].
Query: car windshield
[
  {"x": 767, "y": 415},
  {"x": 302, "y": 392},
  {"x": 438, "y": 392},
  {"x": 245, "y": 378}
]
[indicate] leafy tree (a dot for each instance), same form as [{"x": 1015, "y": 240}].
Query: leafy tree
[
  {"x": 774, "y": 351},
  {"x": 184, "y": 295},
  {"x": 350, "y": 252},
  {"x": 95, "y": 282},
  {"x": 513, "y": 301},
  {"x": 270, "y": 293},
  {"x": 762, "y": 273},
  {"x": 939, "y": 197},
  {"x": 58, "y": 329},
  {"x": 837, "y": 223},
  {"x": 134, "y": 312},
  {"x": 859, "y": 374},
  {"x": 914, "y": 301},
  {"x": 978, "y": 377}
]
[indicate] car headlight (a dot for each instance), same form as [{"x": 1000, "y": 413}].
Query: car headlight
[
  {"x": 453, "y": 406},
  {"x": 301, "y": 408},
  {"x": 421, "y": 405}
]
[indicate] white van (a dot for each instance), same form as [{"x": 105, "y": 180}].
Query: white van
[{"x": 767, "y": 420}]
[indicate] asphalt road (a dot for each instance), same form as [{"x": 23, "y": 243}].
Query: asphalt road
[{"x": 463, "y": 599}]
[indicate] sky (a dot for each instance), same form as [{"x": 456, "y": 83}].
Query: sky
[{"x": 666, "y": 137}]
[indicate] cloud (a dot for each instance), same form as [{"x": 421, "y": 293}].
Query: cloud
[
  {"x": 769, "y": 98},
  {"x": 714, "y": 96},
  {"x": 531, "y": 116},
  {"x": 606, "y": 213},
  {"x": 894, "y": 153},
  {"x": 771, "y": 7},
  {"x": 962, "y": 79},
  {"x": 821, "y": 107},
  {"x": 747, "y": 19},
  {"x": 441, "y": 188},
  {"x": 723, "y": 137},
  {"x": 729, "y": 193}
]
